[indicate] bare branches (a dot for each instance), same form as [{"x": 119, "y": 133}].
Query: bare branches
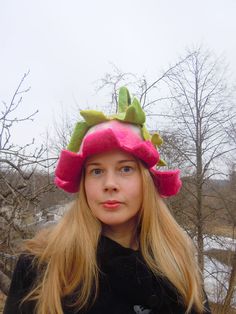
[
  {"x": 200, "y": 114},
  {"x": 201, "y": 106},
  {"x": 147, "y": 88},
  {"x": 22, "y": 173},
  {"x": 7, "y": 120},
  {"x": 114, "y": 82}
]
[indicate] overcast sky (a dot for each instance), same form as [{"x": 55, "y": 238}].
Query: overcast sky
[{"x": 69, "y": 45}]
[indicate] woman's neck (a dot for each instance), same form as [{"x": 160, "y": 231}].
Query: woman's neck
[{"x": 124, "y": 236}]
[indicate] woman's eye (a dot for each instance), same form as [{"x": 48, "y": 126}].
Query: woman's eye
[
  {"x": 96, "y": 172},
  {"x": 126, "y": 169}
]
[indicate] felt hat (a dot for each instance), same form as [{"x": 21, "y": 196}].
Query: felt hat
[{"x": 126, "y": 131}]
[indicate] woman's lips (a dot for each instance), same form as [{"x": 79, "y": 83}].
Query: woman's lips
[{"x": 111, "y": 204}]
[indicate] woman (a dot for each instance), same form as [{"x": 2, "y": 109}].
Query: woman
[{"x": 118, "y": 249}]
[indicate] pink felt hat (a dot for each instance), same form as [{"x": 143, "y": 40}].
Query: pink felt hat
[{"x": 109, "y": 135}]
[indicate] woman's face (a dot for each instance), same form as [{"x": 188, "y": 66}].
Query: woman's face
[{"x": 113, "y": 187}]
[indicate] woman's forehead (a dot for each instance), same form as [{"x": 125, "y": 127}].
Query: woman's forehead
[{"x": 112, "y": 155}]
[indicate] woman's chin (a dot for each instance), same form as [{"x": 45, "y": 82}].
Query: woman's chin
[{"x": 119, "y": 222}]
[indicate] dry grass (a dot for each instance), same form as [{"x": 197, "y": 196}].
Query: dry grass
[
  {"x": 2, "y": 302},
  {"x": 215, "y": 308},
  {"x": 223, "y": 256},
  {"x": 221, "y": 230}
]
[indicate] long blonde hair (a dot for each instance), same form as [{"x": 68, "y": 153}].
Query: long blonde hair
[{"x": 68, "y": 253}]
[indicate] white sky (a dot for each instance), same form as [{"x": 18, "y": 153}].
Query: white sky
[{"x": 68, "y": 45}]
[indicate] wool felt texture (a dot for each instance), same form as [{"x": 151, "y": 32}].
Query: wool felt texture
[
  {"x": 126, "y": 286},
  {"x": 126, "y": 131}
]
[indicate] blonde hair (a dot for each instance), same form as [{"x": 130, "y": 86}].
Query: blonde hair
[
  {"x": 69, "y": 263},
  {"x": 167, "y": 249}
]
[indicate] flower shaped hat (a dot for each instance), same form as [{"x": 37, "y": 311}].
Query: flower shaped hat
[{"x": 125, "y": 130}]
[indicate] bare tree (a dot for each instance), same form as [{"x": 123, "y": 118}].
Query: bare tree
[
  {"x": 20, "y": 187},
  {"x": 201, "y": 111}
]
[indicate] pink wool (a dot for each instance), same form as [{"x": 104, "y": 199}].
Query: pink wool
[{"x": 114, "y": 135}]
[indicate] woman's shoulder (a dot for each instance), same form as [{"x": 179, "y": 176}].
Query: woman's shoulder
[
  {"x": 27, "y": 262},
  {"x": 23, "y": 279},
  {"x": 25, "y": 273},
  {"x": 25, "y": 259}
]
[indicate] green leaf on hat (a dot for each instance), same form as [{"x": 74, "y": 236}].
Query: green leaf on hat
[
  {"x": 134, "y": 113},
  {"x": 119, "y": 116},
  {"x": 127, "y": 112},
  {"x": 156, "y": 139},
  {"x": 161, "y": 163},
  {"x": 146, "y": 135},
  {"x": 123, "y": 99},
  {"x": 77, "y": 136},
  {"x": 93, "y": 117}
]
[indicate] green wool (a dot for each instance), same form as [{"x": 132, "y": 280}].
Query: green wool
[{"x": 127, "y": 112}]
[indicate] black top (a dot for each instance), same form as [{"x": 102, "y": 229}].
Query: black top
[{"x": 126, "y": 286}]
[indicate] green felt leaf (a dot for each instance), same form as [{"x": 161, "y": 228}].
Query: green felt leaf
[
  {"x": 77, "y": 136},
  {"x": 146, "y": 135},
  {"x": 127, "y": 112},
  {"x": 123, "y": 99},
  {"x": 93, "y": 117},
  {"x": 134, "y": 113},
  {"x": 119, "y": 116},
  {"x": 161, "y": 163},
  {"x": 156, "y": 139}
]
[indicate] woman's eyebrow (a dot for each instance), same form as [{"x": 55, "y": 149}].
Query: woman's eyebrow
[
  {"x": 126, "y": 160},
  {"x": 92, "y": 164},
  {"x": 100, "y": 163}
]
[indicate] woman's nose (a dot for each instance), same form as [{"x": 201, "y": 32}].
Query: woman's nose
[{"x": 110, "y": 182}]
